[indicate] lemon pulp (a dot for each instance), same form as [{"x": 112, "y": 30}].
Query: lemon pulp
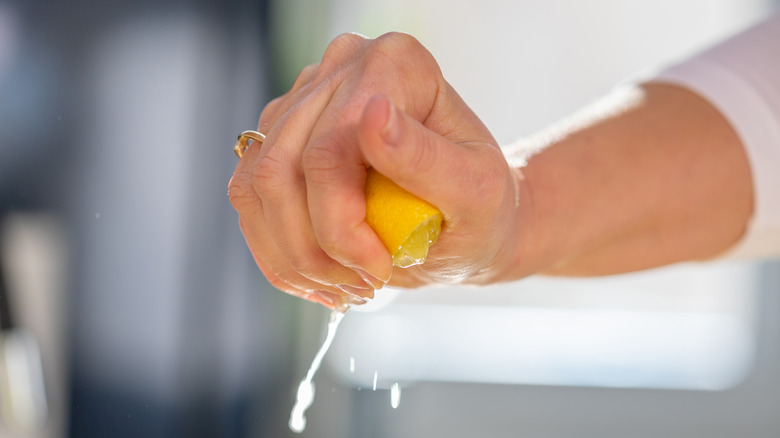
[{"x": 406, "y": 224}]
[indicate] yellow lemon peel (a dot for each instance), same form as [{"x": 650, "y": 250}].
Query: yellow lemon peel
[{"x": 406, "y": 224}]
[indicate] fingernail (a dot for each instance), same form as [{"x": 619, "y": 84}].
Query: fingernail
[
  {"x": 352, "y": 300},
  {"x": 357, "y": 291},
  {"x": 370, "y": 280},
  {"x": 320, "y": 298},
  {"x": 391, "y": 133}
]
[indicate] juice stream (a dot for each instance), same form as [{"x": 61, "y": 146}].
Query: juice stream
[{"x": 305, "y": 396}]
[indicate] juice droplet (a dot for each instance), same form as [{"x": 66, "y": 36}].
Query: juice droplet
[
  {"x": 395, "y": 395},
  {"x": 305, "y": 396},
  {"x": 303, "y": 399}
]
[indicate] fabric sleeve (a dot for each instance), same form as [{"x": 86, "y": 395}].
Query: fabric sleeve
[{"x": 741, "y": 78}]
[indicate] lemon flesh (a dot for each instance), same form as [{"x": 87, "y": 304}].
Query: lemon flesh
[{"x": 406, "y": 224}]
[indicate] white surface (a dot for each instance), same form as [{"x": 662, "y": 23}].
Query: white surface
[
  {"x": 607, "y": 348},
  {"x": 681, "y": 327}
]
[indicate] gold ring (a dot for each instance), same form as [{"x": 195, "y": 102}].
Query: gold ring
[{"x": 243, "y": 141}]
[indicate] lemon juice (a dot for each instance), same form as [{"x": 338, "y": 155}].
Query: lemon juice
[
  {"x": 407, "y": 226},
  {"x": 305, "y": 395}
]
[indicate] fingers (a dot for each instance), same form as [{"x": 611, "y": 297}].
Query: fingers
[
  {"x": 335, "y": 175},
  {"x": 340, "y": 52},
  {"x": 273, "y": 263},
  {"x": 267, "y": 255},
  {"x": 334, "y": 166},
  {"x": 279, "y": 180},
  {"x": 423, "y": 162},
  {"x": 271, "y": 199},
  {"x": 269, "y": 192},
  {"x": 301, "y": 196},
  {"x": 247, "y": 202},
  {"x": 468, "y": 181},
  {"x": 275, "y": 108}
]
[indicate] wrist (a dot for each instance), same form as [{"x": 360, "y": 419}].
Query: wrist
[{"x": 517, "y": 253}]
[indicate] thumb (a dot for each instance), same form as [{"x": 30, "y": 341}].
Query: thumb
[{"x": 414, "y": 157}]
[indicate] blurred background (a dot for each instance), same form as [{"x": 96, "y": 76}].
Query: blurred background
[{"x": 133, "y": 305}]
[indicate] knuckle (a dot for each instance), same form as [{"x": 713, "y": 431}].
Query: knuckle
[
  {"x": 404, "y": 51},
  {"x": 270, "y": 110},
  {"x": 268, "y": 177},
  {"x": 322, "y": 155},
  {"x": 241, "y": 194},
  {"x": 332, "y": 242},
  {"x": 399, "y": 54},
  {"x": 347, "y": 39},
  {"x": 424, "y": 155},
  {"x": 305, "y": 76},
  {"x": 398, "y": 43},
  {"x": 274, "y": 103},
  {"x": 341, "y": 47},
  {"x": 307, "y": 263}
]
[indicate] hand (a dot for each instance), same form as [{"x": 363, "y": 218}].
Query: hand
[{"x": 384, "y": 104}]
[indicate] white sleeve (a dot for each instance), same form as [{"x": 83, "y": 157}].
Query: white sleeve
[{"x": 741, "y": 78}]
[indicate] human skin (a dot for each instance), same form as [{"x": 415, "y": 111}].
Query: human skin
[{"x": 651, "y": 176}]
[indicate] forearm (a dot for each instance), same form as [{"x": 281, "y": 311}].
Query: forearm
[{"x": 654, "y": 178}]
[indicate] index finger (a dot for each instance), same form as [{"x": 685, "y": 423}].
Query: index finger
[{"x": 335, "y": 185}]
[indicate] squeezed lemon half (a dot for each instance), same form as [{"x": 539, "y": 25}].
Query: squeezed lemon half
[{"x": 406, "y": 224}]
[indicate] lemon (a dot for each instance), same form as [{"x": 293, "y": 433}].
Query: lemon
[{"x": 406, "y": 224}]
